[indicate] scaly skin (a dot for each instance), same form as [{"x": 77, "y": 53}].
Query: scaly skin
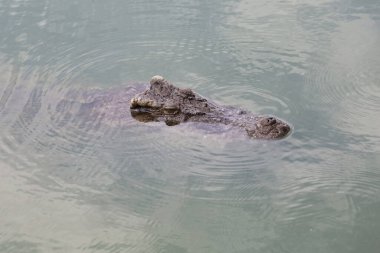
[{"x": 172, "y": 105}]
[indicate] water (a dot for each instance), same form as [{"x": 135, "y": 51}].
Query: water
[{"x": 82, "y": 184}]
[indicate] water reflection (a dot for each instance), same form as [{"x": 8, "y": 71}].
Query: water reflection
[{"x": 76, "y": 179}]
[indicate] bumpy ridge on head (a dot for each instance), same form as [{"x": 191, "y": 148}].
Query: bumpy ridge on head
[{"x": 156, "y": 78}]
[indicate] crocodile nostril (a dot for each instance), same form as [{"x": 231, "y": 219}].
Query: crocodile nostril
[{"x": 268, "y": 121}]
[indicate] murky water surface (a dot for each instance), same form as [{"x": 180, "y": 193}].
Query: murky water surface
[{"x": 76, "y": 180}]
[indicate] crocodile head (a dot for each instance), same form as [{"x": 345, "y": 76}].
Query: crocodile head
[
  {"x": 173, "y": 105},
  {"x": 165, "y": 102}
]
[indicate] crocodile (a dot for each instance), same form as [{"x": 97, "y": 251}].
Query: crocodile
[{"x": 164, "y": 102}]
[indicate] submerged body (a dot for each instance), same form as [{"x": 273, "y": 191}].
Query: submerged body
[{"x": 172, "y": 105}]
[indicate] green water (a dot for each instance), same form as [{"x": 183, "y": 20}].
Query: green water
[{"x": 72, "y": 184}]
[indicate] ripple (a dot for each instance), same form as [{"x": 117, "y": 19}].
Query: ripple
[
  {"x": 70, "y": 151},
  {"x": 222, "y": 174},
  {"x": 353, "y": 87},
  {"x": 42, "y": 119},
  {"x": 307, "y": 194},
  {"x": 355, "y": 99}
]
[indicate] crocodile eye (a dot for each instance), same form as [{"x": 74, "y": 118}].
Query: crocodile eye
[{"x": 170, "y": 108}]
